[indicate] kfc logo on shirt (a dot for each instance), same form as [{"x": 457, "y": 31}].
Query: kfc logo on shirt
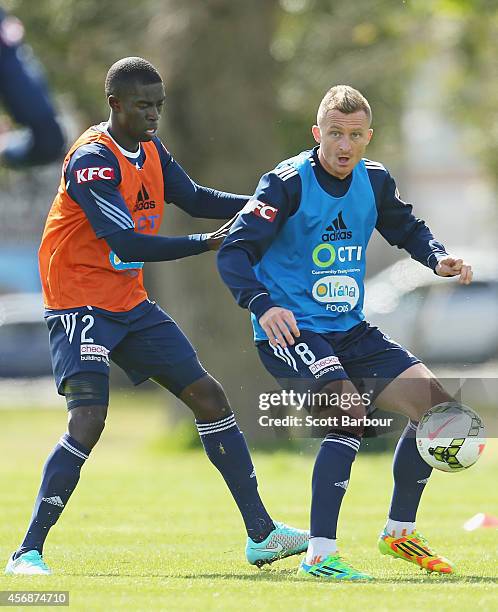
[
  {"x": 96, "y": 173},
  {"x": 260, "y": 209}
]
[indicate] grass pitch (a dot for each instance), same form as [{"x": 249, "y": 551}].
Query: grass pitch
[{"x": 155, "y": 529}]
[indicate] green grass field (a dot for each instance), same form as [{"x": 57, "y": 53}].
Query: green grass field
[{"x": 155, "y": 529}]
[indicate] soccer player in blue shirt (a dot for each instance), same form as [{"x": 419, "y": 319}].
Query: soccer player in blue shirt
[
  {"x": 295, "y": 257},
  {"x": 25, "y": 95},
  {"x": 101, "y": 229}
]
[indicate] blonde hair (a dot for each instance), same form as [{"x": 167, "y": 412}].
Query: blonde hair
[{"x": 345, "y": 99}]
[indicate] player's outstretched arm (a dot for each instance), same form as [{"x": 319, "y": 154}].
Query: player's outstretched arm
[
  {"x": 132, "y": 246},
  {"x": 453, "y": 266}
]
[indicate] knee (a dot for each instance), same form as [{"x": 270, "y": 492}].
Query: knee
[
  {"x": 86, "y": 424},
  {"x": 341, "y": 398},
  {"x": 414, "y": 413},
  {"x": 346, "y": 407},
  {"x": 207, "y": 399}
]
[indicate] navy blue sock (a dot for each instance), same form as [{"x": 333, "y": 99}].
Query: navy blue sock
[
  {"x": 226, "y": 447},
  {"x": 330, "y": 480},
  {"x": 60, "y": 476},
  {"x": 410, "y": 473}
]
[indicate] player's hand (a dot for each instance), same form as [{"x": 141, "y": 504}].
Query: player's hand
[
  {"x": 451, "y": 266},
  {"x": 279, "y": 324},
  {"x": 215, "y": 239}
]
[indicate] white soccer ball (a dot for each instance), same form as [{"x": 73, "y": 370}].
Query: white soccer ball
[{"x": 450, "y": 437}]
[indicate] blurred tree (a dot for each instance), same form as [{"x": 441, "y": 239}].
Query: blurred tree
[
  {"x": 78, "y": 41},
  {"x": 472, "y": 87},
  {"x": 372, "y": 45},
  {"x": 377, "y": 46},
  {"x": 221, "y": 109}
]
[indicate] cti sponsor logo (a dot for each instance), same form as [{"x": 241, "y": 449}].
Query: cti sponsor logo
[
  {"x": 97, "y": 173},
  {"x": 340, "y": 293},
  {"x": 324, "y": 255},
  {"x": 262, "y": 210},
  {"x": 146, "y": 222}
]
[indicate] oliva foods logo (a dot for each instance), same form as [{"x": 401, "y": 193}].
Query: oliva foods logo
[{"x": 337, "y": 289}]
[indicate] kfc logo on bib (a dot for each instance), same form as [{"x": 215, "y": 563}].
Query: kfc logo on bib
[
  {"x": 96, "y": 173},
  {"x": 260, "y": 209}
]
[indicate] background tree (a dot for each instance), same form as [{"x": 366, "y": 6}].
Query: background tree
[
  {"x": 221, "y": 111},
  {"x": 472, "y": 86}
]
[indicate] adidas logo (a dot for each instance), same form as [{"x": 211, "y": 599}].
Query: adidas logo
[
  {"x": 338, "y": 230},
  {"x": 253, "y": 474},
  {"x": 337, "y": 224},
  {"x": 423, "y": 481},
  {"x": 143, "y": 200},
  {"x": 343, "y": 484},
  {"x": 55, "y": 501}
]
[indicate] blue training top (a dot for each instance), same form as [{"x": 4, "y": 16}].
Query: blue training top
[
  {"x": 300, "y": 242},
  {"x": 316, "y": 274}
]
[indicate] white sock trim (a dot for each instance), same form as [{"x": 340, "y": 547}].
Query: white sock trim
[
  {"x": 216, "y": 426},
  {"x": 398, "y": 529},
  {"x": 69, "y": 447},
  {"x": 353, "y": 443},
  {"x": 319, "y": 549}
]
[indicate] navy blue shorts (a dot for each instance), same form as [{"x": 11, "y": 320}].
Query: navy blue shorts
[
  {"x": 145, "y": 342},
  {"x": 363, "y": 354}
]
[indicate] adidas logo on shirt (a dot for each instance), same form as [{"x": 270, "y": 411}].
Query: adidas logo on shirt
[
  {"x": 55, "y": 501},
  {"x": 338, "y": 230},
  {"x": 143, "y": 200}
]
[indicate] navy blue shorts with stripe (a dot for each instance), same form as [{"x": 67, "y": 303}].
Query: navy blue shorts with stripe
[
  {"x": 363, "y": 354},
  {"x": 144, "y": 341}
]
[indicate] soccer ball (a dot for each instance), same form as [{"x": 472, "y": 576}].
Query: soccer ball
[{"x": 450, "y": 437}]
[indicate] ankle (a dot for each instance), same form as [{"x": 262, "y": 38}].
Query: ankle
[
  {"x": 399, "y": 529},
  {"x": 319, "y": 549}
]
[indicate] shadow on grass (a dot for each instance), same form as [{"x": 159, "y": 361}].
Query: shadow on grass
[
  {"x": 290, "y": 576},
  {"x": 184, "y": 437}
]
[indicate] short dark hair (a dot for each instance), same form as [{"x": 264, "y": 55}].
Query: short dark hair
[
  {"x": 126, "y": 72},
  {"x": 344, "y": 99}
]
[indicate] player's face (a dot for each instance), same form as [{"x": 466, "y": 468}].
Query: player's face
[
  {"x": 139, "y": 111},
  {"x": 343, "y": 140}
]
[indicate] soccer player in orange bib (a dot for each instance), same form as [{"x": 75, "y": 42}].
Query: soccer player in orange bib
[{"x": 101, "y": 229}]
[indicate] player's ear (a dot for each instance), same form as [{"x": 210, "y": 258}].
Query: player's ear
[
  {"x": 315, "y": 130},
  {"x": 370, "y": 134},
  {"x": 114, "y": 103}
]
